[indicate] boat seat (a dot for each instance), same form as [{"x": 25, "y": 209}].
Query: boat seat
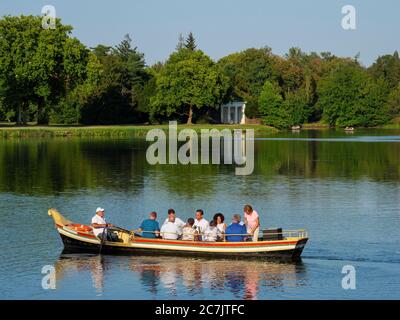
[{"x": 272, "y": 234}]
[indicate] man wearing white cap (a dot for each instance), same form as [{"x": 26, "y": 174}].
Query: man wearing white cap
[{"x": 99, "y": 224}]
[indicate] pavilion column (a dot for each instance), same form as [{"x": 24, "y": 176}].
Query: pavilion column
[
  {"x": 236, "y": 114},
  {"x": 229, "y": 114},
  {"x": 243, "y": 120}
]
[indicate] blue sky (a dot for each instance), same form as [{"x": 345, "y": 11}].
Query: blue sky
[{"x": 225, "y": 26}]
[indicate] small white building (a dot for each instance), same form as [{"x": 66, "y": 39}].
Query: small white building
[{"x": 233, "y": 112}]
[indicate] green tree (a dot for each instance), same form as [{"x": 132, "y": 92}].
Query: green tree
[
  {"x": 37, "y": 66},
  {"x": 188, "y": 81},
  {"x": 348, "y": 96},
  {"x": 373, "y": 107},
  {"x": 69, "y": 109},
  {"x": 131, "y": 65},
  {"x": 144, "y": 93},
  {"x": 101, "y": 50},
  {"x": 387, "y": 67},
  {"x": 122, "y": 77},
  {"x": 272, "y": 106},
  {"x": 294, "y": 70},
  {"x": 339, "y": 93},
  {"x": 247, "y": 72},
  {"x": 393, "y": 102},
  {"x": 190, "y": 43},
  {"x": 297, "y": 108}
]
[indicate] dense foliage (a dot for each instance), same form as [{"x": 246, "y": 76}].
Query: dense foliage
[
  {"x": 350, "y": 97},
  {"x": 188, "y": 81},
  {"x": 38, "y": 67},
  {"x": 46, "y": 75}
]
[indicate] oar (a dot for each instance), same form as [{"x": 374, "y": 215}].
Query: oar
[
  {"x": 102, "y": 238},
  {"x": 119, "y": 229}
]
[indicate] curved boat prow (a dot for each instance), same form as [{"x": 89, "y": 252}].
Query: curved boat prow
[{"x": 58, "y": 218}]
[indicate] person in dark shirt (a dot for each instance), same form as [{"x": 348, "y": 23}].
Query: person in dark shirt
[
  {"x": 235, "y": 232},
  {"x": 150, "y": 227}
]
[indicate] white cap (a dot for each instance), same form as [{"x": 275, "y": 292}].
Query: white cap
[{"x": 99, "y": 209}]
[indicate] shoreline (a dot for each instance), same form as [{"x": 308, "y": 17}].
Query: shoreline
[{"x": 139, "y": 131}]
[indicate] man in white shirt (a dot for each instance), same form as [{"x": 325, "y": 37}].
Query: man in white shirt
[
  {"x": 100, "y": 225},
  {"x": 200, "y": 223},
  {"x": 169, "y": 230},
  {"x": 172, "y": 218}
]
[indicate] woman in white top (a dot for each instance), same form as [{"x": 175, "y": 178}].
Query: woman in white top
[{"x": 219, "y": 222}]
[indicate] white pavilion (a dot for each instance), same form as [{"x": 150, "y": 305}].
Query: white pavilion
[{"x": 233, "y": 112}]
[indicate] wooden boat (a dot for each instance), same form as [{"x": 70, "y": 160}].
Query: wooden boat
[
  {"x": 276, "y": 244},
  {"x": 296, "y": 128}
]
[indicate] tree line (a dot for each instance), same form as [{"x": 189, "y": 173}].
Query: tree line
[{"x": 48, "y": 76}]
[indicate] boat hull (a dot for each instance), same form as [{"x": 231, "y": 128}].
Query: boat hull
[{"x": 72, "y": 245}]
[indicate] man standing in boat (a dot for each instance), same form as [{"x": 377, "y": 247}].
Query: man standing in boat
[{"x": 100, "y": 226}]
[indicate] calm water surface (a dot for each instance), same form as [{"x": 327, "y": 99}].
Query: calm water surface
[{"x": 345, "y": 189}]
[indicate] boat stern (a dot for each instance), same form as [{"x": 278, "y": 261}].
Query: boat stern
[{"x": 296, "y": 255}]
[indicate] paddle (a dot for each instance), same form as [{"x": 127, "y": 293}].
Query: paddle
[
  {"x": 119, "y": 229},
  {"x": 102, "y": 238}
]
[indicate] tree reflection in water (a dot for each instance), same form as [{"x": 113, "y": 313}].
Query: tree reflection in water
[{"x": 175, "y": 276}]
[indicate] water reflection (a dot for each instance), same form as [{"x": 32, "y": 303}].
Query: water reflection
[
  {"x": 176, "y": 277},
  {"x": 95, "y": 264},
  {"x": 41, "y": 167}
]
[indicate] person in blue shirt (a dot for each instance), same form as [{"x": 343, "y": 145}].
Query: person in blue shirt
[
  {"x": 150, "y": 227},
  {"x": 236, "y": 232}
]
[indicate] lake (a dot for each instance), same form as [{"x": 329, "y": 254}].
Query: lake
[{"x": 343, "y": 188}]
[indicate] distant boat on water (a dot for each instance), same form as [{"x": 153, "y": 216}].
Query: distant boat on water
[{"x": 296, "y": 128}]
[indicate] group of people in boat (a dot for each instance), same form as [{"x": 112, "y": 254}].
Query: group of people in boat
[
  {"x": 200, "y": 229},
  {"x": 195, "y": 229}
]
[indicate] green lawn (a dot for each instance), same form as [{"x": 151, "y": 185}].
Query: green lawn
[
  {"x": 394, "y": 124},
  {"x": 33, "y": 131},
  {"x": 315, "y": 125}
]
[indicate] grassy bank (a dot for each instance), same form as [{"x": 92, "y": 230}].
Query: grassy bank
[
  {"x": 112, "y": 131},
  {"x": 315, "y": 125},
  {"x": 394, "y": 124}
]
